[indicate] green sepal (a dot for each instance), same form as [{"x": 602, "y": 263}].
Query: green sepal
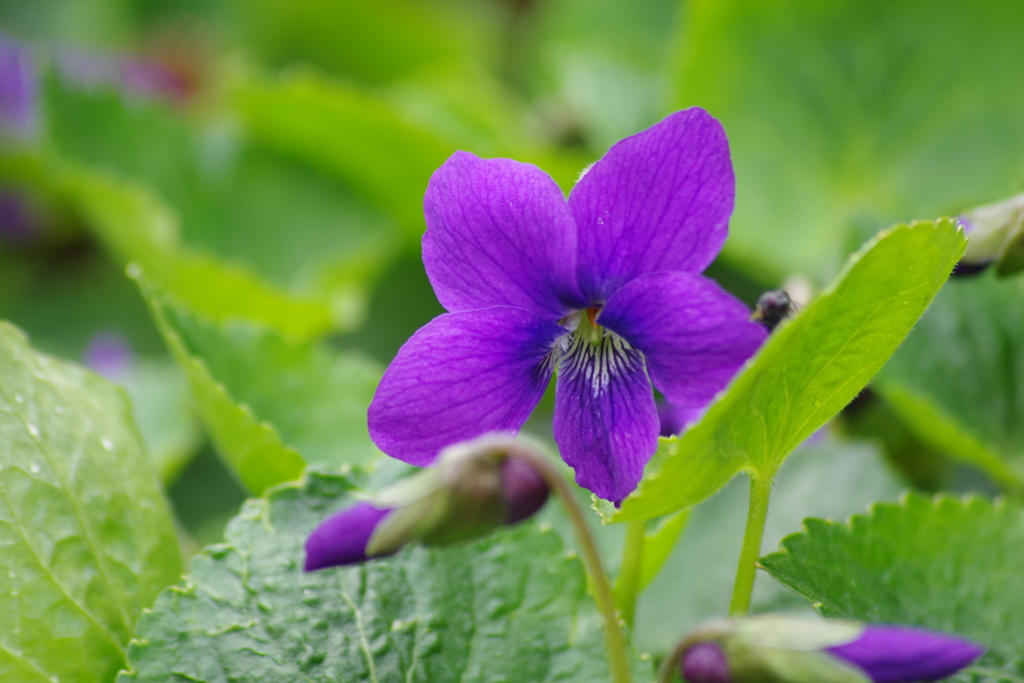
[
  {"x": 997, "y": 234},
  {"x": 791, "y": 632},
  {"x": 776, "y": 665}
]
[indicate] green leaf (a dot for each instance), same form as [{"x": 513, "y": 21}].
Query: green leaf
[
  {"x": 827, "y": 478},
  {"x": 373, "y": 41},
  {"x": 512, "y": 607},
  {"x": 944, "y": 564},
  {"x": 658, "y": 545},
  {"x": 214, "y": 196},
  {"x": 956, "y": 380},
  {"x": 806, "y": 372},
  {"x": 843, "y": 119},
  {"x": 86, "y": 537},
  {"x": 349, "y": 134},
  {"x": 265, "y": 398},
  {"x": 136, "y": 226},
  {"x": 163, "y": 410},
  {"x": 605, "y": 60}
]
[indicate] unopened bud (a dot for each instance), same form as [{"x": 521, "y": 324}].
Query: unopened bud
[
  {"x": 773, "y": 307},
  {"x": 995, "y": 234},
  {"x": 475, "y": 487},
  {"x": 786, "y": 649}
]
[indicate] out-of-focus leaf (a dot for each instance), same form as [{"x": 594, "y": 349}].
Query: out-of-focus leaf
[
  {"x": 267, "y": 399},
  {"x": 604, "y": 60},
  {"x": 348, "y": 133},
  {"x": 136, "y": 227},
  {"x": 844, "y": 118},
  {"x": 374, "y": 41},
  {"x": 827, "y": 478},
  {"x": 298, "y": 230},
  {"x": 957, "y": 379},
  {"x": 511, "y": 607},
  {"x": 943, "y": 564},
  {"x": 658, "y": 545},
  {"x": 807, "y": 371},
  {"x": 86, "y": 538},
  {"x": 163, "y": 410}
]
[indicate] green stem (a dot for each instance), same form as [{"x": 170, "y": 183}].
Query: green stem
[
  {"x": 628, "y": 583},
  {"x": 757, "y": 514},
  {"x": 603, "y": 596}
]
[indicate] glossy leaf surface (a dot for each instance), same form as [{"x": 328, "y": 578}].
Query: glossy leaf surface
[{"x": 86, "y": 537}]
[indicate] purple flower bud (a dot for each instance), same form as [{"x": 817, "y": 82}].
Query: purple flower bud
[
  {"x": 789, "y": 649},
  {"x": 524, "y": 490},
  {"x": 705, "y": 663},
  {"x": 18, "y": 97},
  {"x": 341, "y": 539},
  {"x": 892, "y": 654},
  {"x": 476, "y": 487},
  {"x": 109, "y": 354}
]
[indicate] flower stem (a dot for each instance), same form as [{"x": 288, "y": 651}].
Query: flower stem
[
  {"x": 628, "y": 583},
  {"x": 757, "y": 515},
  {"x": 603, "y": 596}
]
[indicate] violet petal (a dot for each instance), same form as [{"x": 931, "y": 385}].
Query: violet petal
[
  {"x": 693, "y": 333},
  {"x": 499, "y": 233},
  {"x": 460, "y": 376},
  {"x": 606, "y": 423},
  {"x": 341, "y": 539},
  {"x": 659, "y": 200},
  {"x": 674, "y": 419},
  {"x": 898, "y": 654}
]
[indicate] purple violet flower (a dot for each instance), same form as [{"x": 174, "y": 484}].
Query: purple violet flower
[
  {"x": 882, "y": 654},
  {"x": 605, "y": 287}
]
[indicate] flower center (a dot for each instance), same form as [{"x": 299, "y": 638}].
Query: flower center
[{"x": 594, "y": 356}]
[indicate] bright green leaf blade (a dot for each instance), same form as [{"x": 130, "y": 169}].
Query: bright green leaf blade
[
  {"x": 806, "y": 372},
  {"x": 827, "y": 478},
  {"x": 943, "y": 564},
  {"x": 267, "y": 399},
  {"x": 843, "y": 118},
  {"x": 86, "y": 537},
  {"x": 956, "y": 380},
  {"x": 512, "y": 607}
]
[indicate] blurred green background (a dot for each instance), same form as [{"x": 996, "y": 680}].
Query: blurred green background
[{"x": 263, "y": 164}]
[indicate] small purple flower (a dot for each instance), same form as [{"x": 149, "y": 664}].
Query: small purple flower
[
  {"x": 133, "y": 74},
  {"x": 883, "y": 654},
  {"x": 109, "y": 354},
  {"x": 18, "y": 88},
  {"x": 476, "y": 487},
  {"x": 605, "y": 287}
]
